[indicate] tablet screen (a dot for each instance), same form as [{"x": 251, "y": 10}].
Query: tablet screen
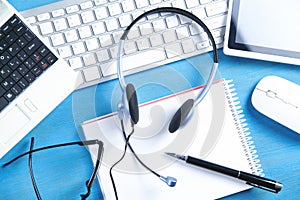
[{"x": 265, "y": 27}]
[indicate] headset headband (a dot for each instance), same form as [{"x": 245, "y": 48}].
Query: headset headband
[{"x": 187, "y": 14}]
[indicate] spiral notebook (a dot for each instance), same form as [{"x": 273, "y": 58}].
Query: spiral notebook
[{"x": 217, "y": 132}]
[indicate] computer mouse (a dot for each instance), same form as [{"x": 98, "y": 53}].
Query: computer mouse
[{"x": 278, "y": 99}]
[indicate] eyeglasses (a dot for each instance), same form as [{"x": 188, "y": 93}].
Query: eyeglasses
[{"x": 88, "y": 183}]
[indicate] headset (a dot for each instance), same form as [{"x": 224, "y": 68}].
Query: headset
[{"x": 128, "y": 106}]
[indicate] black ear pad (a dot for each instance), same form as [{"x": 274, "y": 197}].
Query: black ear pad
[
  {"x": 133, "y": 103},
  {"x": 181, "y": 115}
]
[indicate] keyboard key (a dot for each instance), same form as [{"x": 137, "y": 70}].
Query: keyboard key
[
  {"x": 29, "y": 77},
  {"x": 7, "y": 83},
  {"x": 9, "y": 96},
  {"x": 20, "y": 29},
  {"x": 143, "y": 44},
  {"x": 78, "y": 48},
  {"x": 86, "y": 5},
  {"x": 14, "y": 49},
  {"x": 36, "y": 71},
  {"x": 188, "y": 45},
  {"x": 130, "y": 47},
  {"x": 125, "y": 20},
  {"x": 103, "y": 55},
  {"x": 22, "y": 69},
  {"x": 129, "y": 62},
  {"x": 169, "y": 36},
  {"x": 29, "y": 63},
  {"x": 156, "y": 40},
  {"x": 146, "y": 29},
  {"x": 216, "y": 22},
  {"x": 57, "y": 39},
  {"x": 28, "y": 35},
  {"x": 16, "y": 90},
  {"x": 105, "y": 40},
  {"x": 22, "y": 55},
  {"x": 51, "y": 59},
  {"x": 84, "y": 32},
  {"x": 141, "y": 3},
  {"x": 216, "y": 8},
  {"x": 114, "y": 9},
  {"x": 60, "y": 24},
  {"x": 72, "y": 9},
  {"x": 58, "y": 13},
  {"x": 98, "y": 28},
  {"x": 128, "y": 5},
  {"x": 46, "y": 28},
  {"x": 5, "y": 71},
  {"x": 100, "y": 2},
  {"x": 14, "y": 63},
  {"x": 73, "y": 20},
  {"x": 114, "y": 52},
  {"x": 43, "y": 17},
  {"x": 192, "y": 3},
  {"x": 182, "y": 32},
  {"x": 36, "y": 57},
  {"x": 92, "y": 44},
  {"x": 11, "y": 38},
  {"x": 31, "y": 20},
  {"x": 101, "y": 13},
  {"x": 75, "y": 63},
  {"x": 134, "y": 33},
  {"x": 3, "y": 103},
  {"x": 3, "y": 45},
  {"x": 4, "y": 58},
  {"x": 179, "y": 4},
  {"x": 43, "y": 50},
  {"x": 159, "y": 25},
  {"x": 23, "y": 83},
  {"x": 112, "y": 24},
  {"x": 65, "y": 51},
  {"x": 2, "y": 91},
  {"x": 71, "y": 35},
  {"x": 172, "y": 21},
  {"x": 155, "y": 1},
  {"x": 87, "y": 17},
  {"x": 199, "y": 12},
  {"x": 43, "y": 64},
  {"x": 203, "y": 45},
  {"x": 173, "y": 50},
  {"x": 32, "y": 46},
  {"x": 91, "y": 73},
  {"x": 89, "y": 59},
  {"x": 205, "y": 1}
]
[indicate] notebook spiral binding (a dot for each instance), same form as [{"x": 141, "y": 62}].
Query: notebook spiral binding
[{"x": 243, "y": 131}]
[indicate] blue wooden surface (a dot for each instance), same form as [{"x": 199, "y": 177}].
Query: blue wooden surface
[{"x": 61, "y": 173}]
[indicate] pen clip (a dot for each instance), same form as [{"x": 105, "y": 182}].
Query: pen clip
[{"x": 262, "y": 187}]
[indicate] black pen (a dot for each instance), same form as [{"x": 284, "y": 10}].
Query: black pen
[{"x": 250, "y": 179}]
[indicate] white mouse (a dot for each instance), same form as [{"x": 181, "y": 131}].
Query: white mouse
[{"x": 279, "y": 99}]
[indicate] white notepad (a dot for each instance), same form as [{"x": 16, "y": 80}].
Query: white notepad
[{"x": 215, "y": 133}]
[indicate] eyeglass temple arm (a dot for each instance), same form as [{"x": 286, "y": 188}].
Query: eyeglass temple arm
[
  {"x": 36, "y": 190},
  {"x": 83, "y": 143},
  {"x": 89, "y": 182}
]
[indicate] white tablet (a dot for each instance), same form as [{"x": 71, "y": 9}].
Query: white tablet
[{"x": 264, "y": 29}]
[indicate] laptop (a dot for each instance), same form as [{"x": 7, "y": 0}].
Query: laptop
[
  {"x": 265, "y": 30},
  {"x": 33, "y": 79}
]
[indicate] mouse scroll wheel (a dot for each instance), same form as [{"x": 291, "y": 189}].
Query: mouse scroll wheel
[{"x": 271, "y": 94}]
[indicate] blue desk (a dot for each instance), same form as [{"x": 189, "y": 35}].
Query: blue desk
[{"x": 61, "y": 174}]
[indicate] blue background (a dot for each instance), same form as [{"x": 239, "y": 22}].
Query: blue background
[{"x": 61, "y": 173}]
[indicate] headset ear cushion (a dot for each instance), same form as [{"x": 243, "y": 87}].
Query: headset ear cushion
[
  {"x": 132, "y": 103},
  {"x": 181, "y": 115}
]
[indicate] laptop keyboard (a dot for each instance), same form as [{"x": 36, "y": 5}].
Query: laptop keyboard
[
  {"x": 86, "y": 33},
  {"x": 23, "y": 57}
]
